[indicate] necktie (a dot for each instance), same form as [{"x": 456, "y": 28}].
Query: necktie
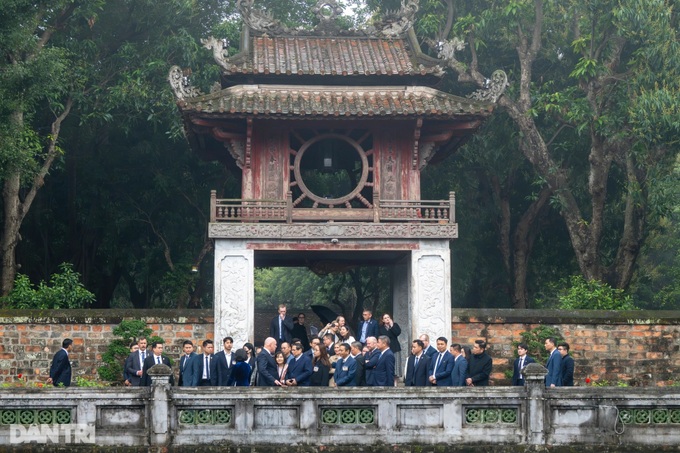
[
  {"x": 207, "y": 367},
  {"x": 416, "y": 364},
  {"x": 521, "y": 363},
  {"x": 280, "y": 329},
  {"x": 158, "y": 360},
  {"x": 436, "y": 365},
  {"x": 143, "y": 355}
]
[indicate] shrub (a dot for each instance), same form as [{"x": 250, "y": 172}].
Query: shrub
[
  {"x": 64, "y": 290},
  {"x": 119, "y": 348},
  {"x": 577, "y": 293},
  {"x": 535, "y": 340},
  {"x": 594, "y": 295}
]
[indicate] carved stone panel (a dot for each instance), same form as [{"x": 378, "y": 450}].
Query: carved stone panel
[
  {"x": 336, "y": 230},
  {"x": 431, "y": 293},
  {"x": 234, "y": 294}
]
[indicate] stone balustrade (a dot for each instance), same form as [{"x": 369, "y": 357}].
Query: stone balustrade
[{"x": 399, "y": 419}]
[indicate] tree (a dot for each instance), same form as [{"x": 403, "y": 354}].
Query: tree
[
  {"x": 120, "y": 52},
  {"x": 37, "y": 84},
  {"x": 588, "y": 79}
]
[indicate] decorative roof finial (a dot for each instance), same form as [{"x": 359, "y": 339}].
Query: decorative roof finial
[
  {"x": 261, "y": 21},
  {"x": 493, "y": 88},
  {"x": 327, "y": 10},
  {"x": 396, "y": 23},
  {"x": 181, "y": 85}
]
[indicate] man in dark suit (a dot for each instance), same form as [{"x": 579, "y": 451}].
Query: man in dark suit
[
  {"x": 187, "y": 354},
  {"x": 371, "y": 359},
  {"x": 128, "y": 361},
  {"x": 367, "y": 328},
  {"x": 135, "y": 363},
  {"x": 383, "y": 375},
  {"x": 567, "y": 365},
  {"x": 441, "y": 365},
  {"x": 428, "y": 350},
  {"x": 460, "y": 365},
  {"x": 281, "y": 327},
  {"x": 201, "y": 367},
  {"x": 417, "y": 366},
  {"x": 60, "y": 371},
  {"x": 223, "y": 362},
  {"x": 521, "y": 361},
  {"x": 358, "y": 356},
  {"x": 267, "y": 372},
  {"x": 554, "y": 365},
  {"x": 328, "y": 343},
  {"x": 480, "y": 365},
  {"x": 156, "y": 358},
  {"x": 315, "y": 342},
  {"x": 345, "y": 368},
  {"x": 300, "y": 369}
]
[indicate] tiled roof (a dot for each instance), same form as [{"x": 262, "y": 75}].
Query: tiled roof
[
  {"x": 290, "y": 100},
  {"x": 329, "y": 56}
]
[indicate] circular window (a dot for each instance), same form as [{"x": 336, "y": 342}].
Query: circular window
[{"x": 331, "y": 169}]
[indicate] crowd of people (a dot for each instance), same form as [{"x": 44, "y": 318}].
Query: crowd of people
[{"x": 336, "y": 356}]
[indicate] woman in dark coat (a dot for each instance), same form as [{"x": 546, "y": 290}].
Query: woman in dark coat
[
  {"x": 392, "y": 330},
  {"x": 250, "y": 360},
  {"x": 240, "y": 372},
  {"x": 321, "y": 368}
]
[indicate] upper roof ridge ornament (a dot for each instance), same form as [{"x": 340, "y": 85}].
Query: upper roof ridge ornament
[
  {"x": 258, "y": 20},
  {"x": 396, "y": 23}
]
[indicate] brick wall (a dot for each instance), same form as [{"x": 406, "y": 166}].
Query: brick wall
[
  {"x": 29, "y": 338},
  {"x": 641, "y": 347},
  {"x": 638, "y": 347}
]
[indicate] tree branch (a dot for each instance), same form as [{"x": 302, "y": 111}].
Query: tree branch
[{"x": 39, "y": 179}]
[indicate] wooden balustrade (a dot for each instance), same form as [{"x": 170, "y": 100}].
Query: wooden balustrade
[{"x": 243, "y": 210}]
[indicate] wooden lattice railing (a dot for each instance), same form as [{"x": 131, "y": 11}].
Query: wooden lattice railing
[{"x": 243, "y": 210}]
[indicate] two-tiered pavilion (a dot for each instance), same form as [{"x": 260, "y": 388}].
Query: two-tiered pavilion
[{"x": 329, "y": 130}]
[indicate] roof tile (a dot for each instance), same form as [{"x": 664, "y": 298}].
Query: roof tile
[
  {"x": 289, "y": 100},
  {"x": 329, "y": 56}
]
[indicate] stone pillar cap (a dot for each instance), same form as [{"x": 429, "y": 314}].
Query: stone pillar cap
[
  {"x": 159, "y": 370},
  {"x": 534, "y": 370}
]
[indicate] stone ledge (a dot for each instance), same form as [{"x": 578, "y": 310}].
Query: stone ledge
[
  {"x": 557, "y": 317},
  {"x": 105, "y": 316}
]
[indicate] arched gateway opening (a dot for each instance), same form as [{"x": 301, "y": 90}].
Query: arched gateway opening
[{"x": 329, "y": 130}]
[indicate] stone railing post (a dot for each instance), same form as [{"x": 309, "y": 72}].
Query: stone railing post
[
  {"x": 159, "y": 432},
  {"x": 534, "y": 381}
]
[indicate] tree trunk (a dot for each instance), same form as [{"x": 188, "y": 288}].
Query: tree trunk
[
  {"x": 523, "y": 241},
  {"x": 10, "y": 231},
  {"x": 15, "y": 208},
  {"x": 12, "y": 218}
]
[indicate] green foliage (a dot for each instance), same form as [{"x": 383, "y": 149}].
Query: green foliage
[
  {"x": 593, "y": 295},
  {"x": 535, "y": 340},
  {"x": 606, "y": 383},
  {"x": 83, "y": 382},
  {"x": 118, "y": 349},
  {"x": 64, "y": 290}
]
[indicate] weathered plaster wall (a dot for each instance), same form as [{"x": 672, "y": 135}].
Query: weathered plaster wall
[{"x": 642, "y": 346}]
